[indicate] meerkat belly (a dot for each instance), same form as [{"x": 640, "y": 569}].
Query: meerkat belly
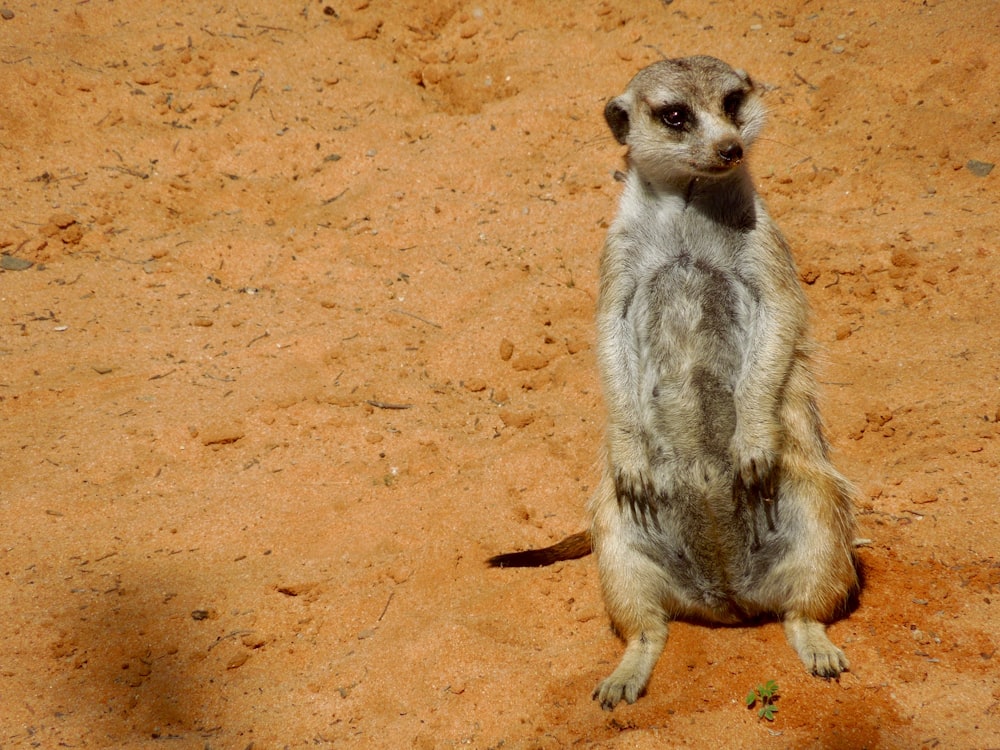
[{"x": 689, "y": 328}]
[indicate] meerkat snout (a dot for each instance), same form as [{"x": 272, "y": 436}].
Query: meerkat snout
[{"x": 731, "y": 152}]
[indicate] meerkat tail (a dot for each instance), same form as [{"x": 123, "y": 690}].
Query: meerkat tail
[{"x": 570, "y": 548}]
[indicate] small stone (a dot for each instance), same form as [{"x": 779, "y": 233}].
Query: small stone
[
  {"x": 202, "y": 322},
  {"x": 802, "y": 37},
  {"x": 296, "y": 589},
  {"x": 6, "y": 14},
  {"x": 516, "y": 419},
  {"x": 979, "y": 168},
  {"x": 809, "y": 275},
  {"x": 72, "y": 235},
  {"x": 62, "y": 220},
  {"x": 878, "y": 416},
  {"x": 252, "y": 640},
  {"x": 101, "y": 369},
  {"x": 10, "y": 263},
  {"x": 530, "y": 361},
  {"x": 237, "y": 660},
  {"x": 222, "y": 433},
  {"x": 506, "y": 350},
  {"x": 903, "y": 258},
  {"x": 475, "y": 385}
]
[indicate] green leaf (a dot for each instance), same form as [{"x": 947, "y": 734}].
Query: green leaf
[
  {"x": 751, "y": 698},
  {"x": 768, "y": 711}
]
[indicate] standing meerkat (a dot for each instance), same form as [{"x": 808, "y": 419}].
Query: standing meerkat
[{"x": 718, "y": 501}]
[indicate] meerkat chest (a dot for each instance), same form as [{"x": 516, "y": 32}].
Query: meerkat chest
[{"x": 690, "y": 290}]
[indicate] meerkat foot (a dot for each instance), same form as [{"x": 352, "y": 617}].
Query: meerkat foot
[
  {"x": 629, "y": 680},
  {"x": 809, "y": 639}
]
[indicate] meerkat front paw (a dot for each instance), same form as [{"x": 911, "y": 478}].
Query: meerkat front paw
[
  {"x": 635, "y": 491},
  {"x": 756, "y": 467}
]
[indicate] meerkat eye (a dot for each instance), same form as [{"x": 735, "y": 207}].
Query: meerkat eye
[
  {"x": 732, "y": 103},
  {"x": 675, "y": 116}
]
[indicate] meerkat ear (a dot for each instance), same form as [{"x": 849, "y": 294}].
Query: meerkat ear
[
  {"x": 746, "y": 78},
  {"x": 616, "y": 115}
]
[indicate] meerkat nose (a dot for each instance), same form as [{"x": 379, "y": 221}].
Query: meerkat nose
[{"x": 731, "y": 152}]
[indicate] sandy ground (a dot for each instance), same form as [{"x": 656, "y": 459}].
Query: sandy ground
[{"x": 256, "y": 230}]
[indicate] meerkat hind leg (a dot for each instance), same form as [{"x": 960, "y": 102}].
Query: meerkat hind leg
[
  {"x": 629, "y": 680},
  {"x": 814, "y": 647}
]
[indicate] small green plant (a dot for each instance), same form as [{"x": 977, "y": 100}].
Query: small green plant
[{"x": 765, "y": 695}]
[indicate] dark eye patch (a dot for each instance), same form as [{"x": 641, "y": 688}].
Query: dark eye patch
[
  {"x": 675, "y": 116},
  {"x": 732, "y": 102}
]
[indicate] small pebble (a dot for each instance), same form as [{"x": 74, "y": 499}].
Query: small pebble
[
  {"x": 10, "y": 263},
  {"x": 475, "y": 385},
  {"x": 979, "y": 168},
  {"x": 6, "y": 14},
  {"x": 506, "y": 349},
  {"x": 530, "y": 361},
  {"x": 516, "y": 419},
  {"x": 62, "y": 220},
  {"x": 221, "y": 433}
]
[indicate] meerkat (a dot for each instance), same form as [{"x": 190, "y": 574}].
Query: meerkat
[{"x": 719, "y": 501}]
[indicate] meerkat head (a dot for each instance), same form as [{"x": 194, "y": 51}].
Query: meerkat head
[{"x": 685, "y": 118}]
